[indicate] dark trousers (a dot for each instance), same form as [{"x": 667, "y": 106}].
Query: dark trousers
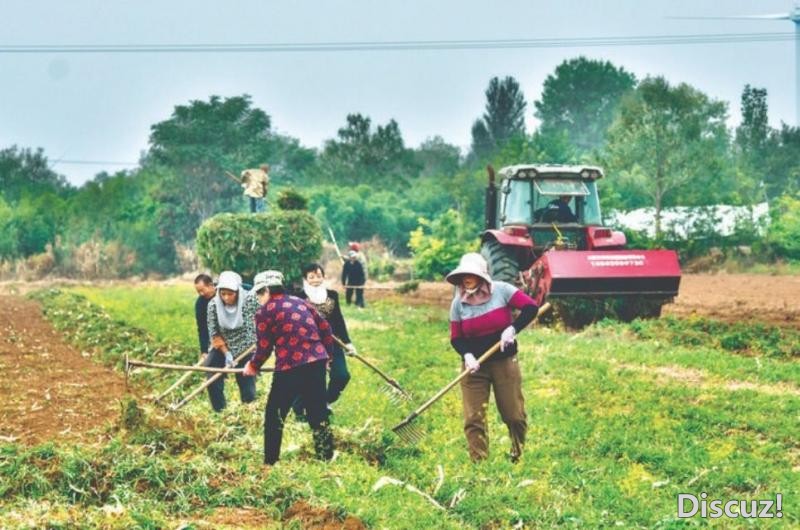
[
  {"x": 339, "y": 376},
  {"x": 308, "y": 383},
  {"x": 348, "y": 296},
  {"x": 216, "y": 391}
]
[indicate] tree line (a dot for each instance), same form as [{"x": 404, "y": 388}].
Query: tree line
[{"x": 661, "y": 144}]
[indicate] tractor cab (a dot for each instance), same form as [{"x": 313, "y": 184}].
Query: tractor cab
[{"x": 552, "y": 204}]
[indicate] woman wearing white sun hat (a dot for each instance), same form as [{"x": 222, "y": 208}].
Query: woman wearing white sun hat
[{"x": 480, "y": 316}]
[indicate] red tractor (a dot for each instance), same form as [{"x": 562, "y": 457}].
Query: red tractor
[{"x": 544, "y": 233}]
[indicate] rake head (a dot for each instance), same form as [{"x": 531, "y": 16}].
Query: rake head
[
  {"x": 408, "y": 432},
  {"x": 395, "y": 395}
]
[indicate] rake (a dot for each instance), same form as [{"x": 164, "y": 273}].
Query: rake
[
  {"x": 394, "y": 391},
  {"x": 209, "y": 381},
  {"x": 133, "y": 363},
  {"x": 176, "y": 384},
  {"x": 411, "y": 433}
]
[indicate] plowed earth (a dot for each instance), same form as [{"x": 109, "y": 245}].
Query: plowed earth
[{"x": 49, "y": 390}]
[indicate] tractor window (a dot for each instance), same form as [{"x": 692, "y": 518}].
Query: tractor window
[
  {"x": 591, "y": 206},
  {"x": 583, "y": 202},
  {"x": 517, "y": 199}
]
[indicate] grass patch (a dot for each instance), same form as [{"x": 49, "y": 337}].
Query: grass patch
[{"x": 609, "y": 443}]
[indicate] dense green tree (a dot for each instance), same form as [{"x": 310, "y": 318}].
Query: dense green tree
[
  {"x": 27, "y": 171},
  {"x": 671, "y": 144},
  {"x": 581, "y": 98},
  {"x": 9, "y": 233},
  {"x": 437, "y": 158},
  {"x": 203, "y": 140},
  {"x": 782, "y": 165},
  {"x": 502, "y": 120},
  {"x": 359, "y": 155}
]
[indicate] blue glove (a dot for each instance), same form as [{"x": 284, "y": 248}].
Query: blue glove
[{"x": 228, "y": 359}]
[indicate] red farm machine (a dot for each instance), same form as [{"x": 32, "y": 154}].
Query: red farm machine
[{"x": 544, "y": 233}]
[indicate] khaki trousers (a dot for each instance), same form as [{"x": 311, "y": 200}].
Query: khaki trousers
[{"x": 505, "y": 378}]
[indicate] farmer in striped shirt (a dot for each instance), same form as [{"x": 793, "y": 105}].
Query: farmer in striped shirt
[{"x": 480, "y": 316}]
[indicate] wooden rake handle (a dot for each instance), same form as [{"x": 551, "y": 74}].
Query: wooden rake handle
[
  {"x": 210, "y": 380},
  {"x": 488, "y": 353},
  {"x": 176, "y": 384},
  {"x": 185, "y": 368},
  {"x": 374, "y": 368}
]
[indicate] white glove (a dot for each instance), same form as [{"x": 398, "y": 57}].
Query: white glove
[
  {"x": 349, "y": 349},
  {"x": 508, "y": 337},
  {"x": 228, "y": 359},
  {"x": 471, "y": 363}
]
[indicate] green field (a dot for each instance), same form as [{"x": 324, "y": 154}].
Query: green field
[{"x": 622, "y": 418}]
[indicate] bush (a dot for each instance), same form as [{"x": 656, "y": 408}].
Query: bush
[
  {"x": 784, "y": 231},
  {"x": 438, "y": 245},
  {"x": 249, "y": 243},
  {"x": 290, "y": 199}
]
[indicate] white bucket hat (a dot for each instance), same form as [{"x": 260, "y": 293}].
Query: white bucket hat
[
  {"x": 229, "y": 280},
  {"x": 471, "y": 263},
  {"x": 269, "y": 278}
]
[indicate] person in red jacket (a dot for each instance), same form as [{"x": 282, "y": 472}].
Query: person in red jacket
[{"x": 301, "y": 340}]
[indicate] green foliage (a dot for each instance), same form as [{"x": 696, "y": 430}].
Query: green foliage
[
  {"x": 291, "y": 199},
  {"x": 27, "y": 172},
  {"x": 670, "y": 144},
  {"x": 623, "y": 422},
  {"x": 249, "y": 243},
  {"x": 360, "y": 155},
  {"x": 784, "y": 231},
  {"x": 361, "y": 212},
  {"x": 437, "y": 245},
  {"x": 502, "y": 120},
  {"x": 580, "y": 99},
  {"x": 741, "y": 338}
]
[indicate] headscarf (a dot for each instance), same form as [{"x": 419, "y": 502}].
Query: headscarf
[
  {"x": 477, "y": 296},
  {"x": 229, "y": 317}
]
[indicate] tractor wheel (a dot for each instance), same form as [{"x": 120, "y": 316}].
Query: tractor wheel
[{"x": 503, "y": 264}]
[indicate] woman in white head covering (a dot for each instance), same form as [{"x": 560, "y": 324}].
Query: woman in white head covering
[
  {"x": 480, "y": 316},
  {"x": 231, "y": 328}
]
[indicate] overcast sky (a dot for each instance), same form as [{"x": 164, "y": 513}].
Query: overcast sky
[{"x": 99, "y": 107}]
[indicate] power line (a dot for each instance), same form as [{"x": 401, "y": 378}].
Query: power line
[
  {"x": 94, "y": 163},
  {"x": 651, "y": 40}
]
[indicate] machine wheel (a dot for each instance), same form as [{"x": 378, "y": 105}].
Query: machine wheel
[{"x": 503, "y": 264}]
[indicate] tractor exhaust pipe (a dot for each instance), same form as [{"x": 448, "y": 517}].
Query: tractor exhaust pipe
[{"x": 491, "y": 201}]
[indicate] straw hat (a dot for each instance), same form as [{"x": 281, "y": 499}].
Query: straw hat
[{"x": 471, "y": 263}]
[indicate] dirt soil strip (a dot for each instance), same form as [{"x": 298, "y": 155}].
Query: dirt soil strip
[
  {"x": 773, "y": 300},
  {"x": 739, "y": 297},
  {"x": 50, "y": 390}
]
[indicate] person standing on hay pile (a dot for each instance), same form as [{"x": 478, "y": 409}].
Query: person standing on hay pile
[
  {"x": 232, "y": 331},
  {"x": 326, "y": 302},
  {"x": 256, "y": 183},
  {"x": 353, "y": 278},
  {"x": 480, "y": 316},
  {"x": 301, "y": 339}
]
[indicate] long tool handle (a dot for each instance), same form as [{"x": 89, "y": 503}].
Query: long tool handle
[
  {"x": 182, "y": 379},
  {"x": 210, "y": 380},
  {"x": 377, "y": 370},
  {"x": 335, "y": 244},
  {"x": 488, "y": 353},
  {"x": 185, "y": 368}
]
